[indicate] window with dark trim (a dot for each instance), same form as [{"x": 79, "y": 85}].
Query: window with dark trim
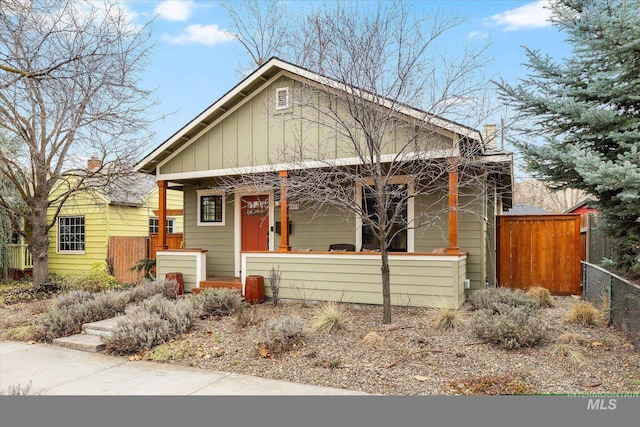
[
  {"x": 71, "y": 234},
  {"x": 211, "y": 208}
]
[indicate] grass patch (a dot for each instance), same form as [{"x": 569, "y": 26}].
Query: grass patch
[
  {"x": 328, "y": 318},
  {"x": 543, "y": 296},
  {"x": 584, "y": 313},
  {"x": 21, "y": 333},
  {"x": 447, "y": 318},
  {"x": 569, "y": 352}
]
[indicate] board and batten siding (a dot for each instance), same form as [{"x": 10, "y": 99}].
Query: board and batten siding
[
  {"x": 416, "y": 280},
  {"x": 254, "y": 133}
]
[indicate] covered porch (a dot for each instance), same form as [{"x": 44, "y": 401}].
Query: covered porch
[{"x": 425, "y": 279}]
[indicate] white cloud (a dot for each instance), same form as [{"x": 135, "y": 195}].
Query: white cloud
[
  {"x": 175, "y": 10},
  {"x": 532, "y": 15},
  {"x": 477, "y": 35},
  {"x": 203, "y": 34}
]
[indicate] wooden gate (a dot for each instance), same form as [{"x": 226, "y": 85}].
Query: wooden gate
[
  {"x": 124, "y": 251},
  {"x": 539, "y": 250}
]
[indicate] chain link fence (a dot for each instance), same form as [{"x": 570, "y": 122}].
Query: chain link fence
[{"x": 617, "y": 297}]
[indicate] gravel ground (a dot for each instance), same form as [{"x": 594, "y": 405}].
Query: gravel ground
[{"x": 410, "y": 356}]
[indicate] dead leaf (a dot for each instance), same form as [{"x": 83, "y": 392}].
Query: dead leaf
[
  {"x": 31, "y": 342},
  {"x": 420, "y": 378},
  {"x": 596, "y": 344}
]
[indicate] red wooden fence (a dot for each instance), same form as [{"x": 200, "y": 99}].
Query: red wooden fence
[{"x": 539, "y": 250}]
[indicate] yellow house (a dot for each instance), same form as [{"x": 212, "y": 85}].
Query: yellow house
[{"x": 88, "y": 219}]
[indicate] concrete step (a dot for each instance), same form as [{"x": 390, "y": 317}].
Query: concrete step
[
  {"x": 101, "y": 328},
  {"x": 83, "y": 342}
]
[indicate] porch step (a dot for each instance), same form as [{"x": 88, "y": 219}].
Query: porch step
[
  {"x": 221, "y": 283},
  {"x": 91, "y": 337},
  {"x": 83, "y": 342},
  {"x": 101, "y": 328}
]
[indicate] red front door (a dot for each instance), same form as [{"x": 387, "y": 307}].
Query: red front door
[{"x": 255, "y": 223}]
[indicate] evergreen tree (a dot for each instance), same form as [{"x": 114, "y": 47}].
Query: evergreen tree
[{"x": 586, "y": 109}]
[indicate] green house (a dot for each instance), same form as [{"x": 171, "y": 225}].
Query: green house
[{"x": 445, "y": 249}]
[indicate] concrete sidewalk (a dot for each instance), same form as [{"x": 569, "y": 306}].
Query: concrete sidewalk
[{"x": 60, "y": 371}]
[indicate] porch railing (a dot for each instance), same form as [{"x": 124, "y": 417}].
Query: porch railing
[{"x": 20, "y": 257}]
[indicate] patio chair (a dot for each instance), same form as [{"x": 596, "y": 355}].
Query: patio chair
[
  {"x": 370, "y": 247},
  {"x": 342, "y": 247}
]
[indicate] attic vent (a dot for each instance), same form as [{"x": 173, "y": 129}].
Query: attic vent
[{"x": 282, "y": 98}]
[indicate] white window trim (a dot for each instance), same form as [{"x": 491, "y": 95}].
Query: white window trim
[
  {"x": 63, "y": 252},
  {"x": 172, "y": 220},
  {"x": 199, "y": 194},
  {"x": 400, "y": 179},
  {"x": 286, "y": 92}
]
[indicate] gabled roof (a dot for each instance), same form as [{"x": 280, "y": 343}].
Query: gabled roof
[
  {"x": 587, "y": 203},
  {"x": 255, "y": 80}
]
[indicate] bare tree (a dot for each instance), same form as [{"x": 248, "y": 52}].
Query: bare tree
[
  {"x": 537, "y": 193},
  {"x": 262, "y": 27},
  {"x": 69, "y": 73},
  {"x": 380, "y": 59}
]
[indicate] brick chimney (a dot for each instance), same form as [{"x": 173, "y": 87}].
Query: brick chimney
[
  {"x": 489, "y": 136},
  {"x": 94, "y": 163}
]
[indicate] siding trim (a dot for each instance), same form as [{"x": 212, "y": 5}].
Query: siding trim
[{"x": 312, "y": 164}]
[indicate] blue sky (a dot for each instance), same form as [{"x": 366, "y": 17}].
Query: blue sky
[{"x": 194, "y": 62}]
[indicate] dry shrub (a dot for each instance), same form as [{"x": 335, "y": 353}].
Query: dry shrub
[
  {"x": 280, "y": 336},
  {"x": 568, "y": 351},
  {"x": 571, "y": 338},
  {"x": 584, "y": 313},
  {"x": 21, "y": 333},
  {"x": 166, "y": 288},
  {"x": 73, "y": 297},
  {"x": 509, "y": 327},
  {"x": 328, "y": 318},
  {"x": 487, "y": 298},
  {"x": 17, "y": 390},
  {"x": 492, "y": 385},
  {"x": 247, "y": 316},
  {"x": 155, "y": 321},
  {"x": 217, "y": 302},
  {"x": 137, "y": 332},
  {"x": 447, "y": 318},
  {"x": 68, "y": 319},
  {"x": 543, "y": 296}
]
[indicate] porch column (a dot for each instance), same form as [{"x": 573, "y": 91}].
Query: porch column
[
  {"x": 453, "y": 207},
  {"x": 284, "y": 213},
  {"x": 162, "y": 216}
]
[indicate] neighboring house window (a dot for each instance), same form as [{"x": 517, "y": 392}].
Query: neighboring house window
[
  {"x": 71, "y": 234},
  {"x": 15, "y": 238},
  {"x": 282, "y": 98},
  {"x": 154, "y": 225},
  {"x": 399, "y": 201},
  {"x": 210, "y": 207}
]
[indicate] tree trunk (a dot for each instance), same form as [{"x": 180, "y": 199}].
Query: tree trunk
[
  {"x": 39, "y": 243},
  {"x": 386, "y": 285}
]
